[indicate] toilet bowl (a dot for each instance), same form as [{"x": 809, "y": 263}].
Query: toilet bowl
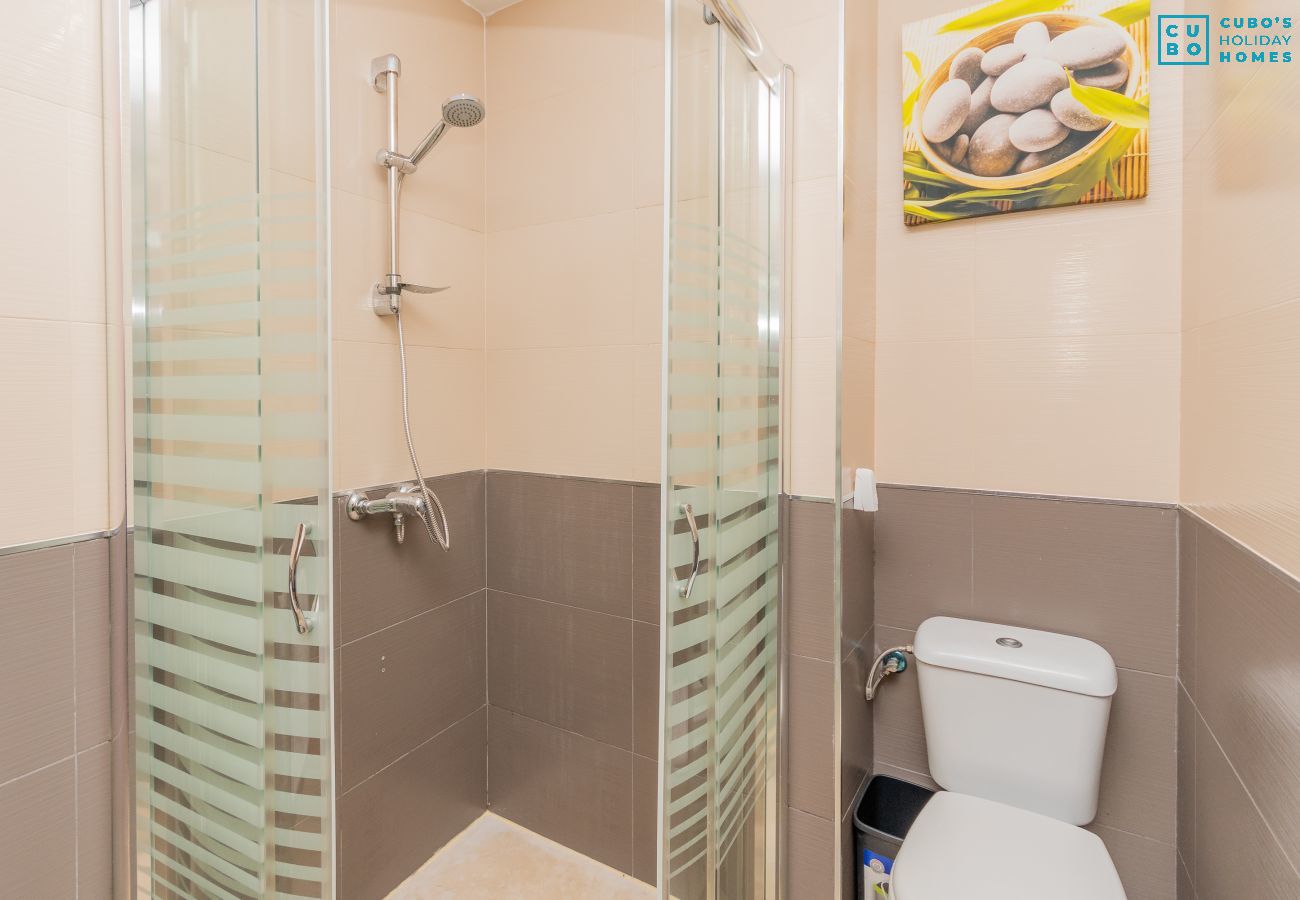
[
  {"x": 1015, "y": 724},
  {"x": 968, "y": 848}
]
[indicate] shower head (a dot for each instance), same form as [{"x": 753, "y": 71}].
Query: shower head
[
  {"x": 460, "y": 111},
  {"x": 463, "y": 111}
]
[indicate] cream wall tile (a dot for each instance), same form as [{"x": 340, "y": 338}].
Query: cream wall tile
[
  {"x": 1240, "y": 236},
  {"x": 925, "y": 284},
  {"x": 1048, "y": 354},
  {"x": 567, "y": 411},
  {"x": 210, "y": 67},
  {"x": 1074, "y": 272},
  {"x": 564, "y": 284},
  {"x": 648, "y": 265},
  {"x": 542, "y": 48},
  {"x": 434, "y": 253},
  {"x": 648, "y": 18},
  {"x": 925, "y": 422},
  {"x": 289, "y": 84},
  {"x": 648, "y": 163},
  {"x": 1087, "y": 416},
  {"x": 51, "y": 50},
  {"x": 562, "y": 157},
  {"x": 810, "y": 418},
  {"x": 1241, "y": 429},
  {"x": 52, "y": 221},
  {"x": 647, "y": 410},
  {"x": 36, "y": 391},
  {"x": 815, "y": 259},
  {"x": 446, "y": 409},
  {"x": 440, "y": 43},
  {"x": 87, "y": 406},
  {"x": 858, "y": 431}
]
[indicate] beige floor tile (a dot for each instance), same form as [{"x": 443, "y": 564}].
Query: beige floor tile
[{"x": 498, "y": 859}]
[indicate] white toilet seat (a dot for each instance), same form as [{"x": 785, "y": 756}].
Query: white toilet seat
[{"x": 967, "y": 848}]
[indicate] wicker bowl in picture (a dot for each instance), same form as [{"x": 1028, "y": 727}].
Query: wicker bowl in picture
[{"x": 999, "y": 114}]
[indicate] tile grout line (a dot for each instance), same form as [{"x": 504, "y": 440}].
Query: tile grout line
[
  {"x": 1246, "y": 790},
  {"x": 414, "y": 749}
]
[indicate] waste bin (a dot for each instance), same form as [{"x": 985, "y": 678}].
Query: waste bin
[{"x": 885, "y": 810}]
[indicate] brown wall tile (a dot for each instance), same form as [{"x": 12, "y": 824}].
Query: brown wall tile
[
  {"x": 645, "y": 690},
  {"x": 810, "y": 761},
  {"x": 1187, "y": 720},
  {"x": 645, "y": 819},
  {"x": 1183, "y": 880},
  {"x": 857, "y": 573},
  {"x": 924, "y": 545},
  {"x": 810, "y": 869},
  {"x": 1146, "y": 867},
  {"x": 379, "y": 582},
  {"x": 809, "y": 548},
  {"x": 1236, "y": 854},
  {"x": 37, "y": 709},
  {"x": 389, "y": 825},
  {"x": 857, "y": 743},
  {"x": 1187, "y": 540},
  {"x": 38, "y": 832},
  {"x": 647, "y": 538},
  {"x": 896, "y": 713},
  {"x": 407, "y": 683},
  {"x": 1102, "y": 571},
  {"x": 1244, "y": 679},
  {"x": 1139, "y": 779},
  {"x": 567, "y": 787},
  {"x": 95, "y": 823},
  {"x": 90, "y": 585},
  {"x": 568, "y": 667},
  {"x": 567, "y": 540}
]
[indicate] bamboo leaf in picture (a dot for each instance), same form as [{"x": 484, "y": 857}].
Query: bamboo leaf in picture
[
  {"x": 1127, "y": 112},
  {"x": 996, "y": 13},
  {"x": 909, "y": 104},
  {"x": 1128, "y": 14}
]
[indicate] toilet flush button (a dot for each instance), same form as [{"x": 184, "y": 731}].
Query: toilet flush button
[{"x": 1009, "y": 642}]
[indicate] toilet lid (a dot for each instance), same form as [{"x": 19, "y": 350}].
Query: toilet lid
[{"x": 974, "y": 849}]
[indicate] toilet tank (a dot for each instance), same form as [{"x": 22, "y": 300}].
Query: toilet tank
[{"x": 1015, "y": 715}]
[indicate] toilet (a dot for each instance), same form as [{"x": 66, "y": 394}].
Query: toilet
[{"x": 1015, "y": 725}]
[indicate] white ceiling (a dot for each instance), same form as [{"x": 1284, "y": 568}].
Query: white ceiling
[{"x": 488, "y": 7}]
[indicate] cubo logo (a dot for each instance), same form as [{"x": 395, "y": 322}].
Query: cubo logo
[{"x": 1184, "y": 40}]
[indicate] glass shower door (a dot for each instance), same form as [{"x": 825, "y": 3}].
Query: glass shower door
[
  {"x": 721, "y": 629},
  {"x": 232, "y": 636}
]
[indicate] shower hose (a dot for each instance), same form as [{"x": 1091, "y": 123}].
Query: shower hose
[{"x": 437, "y": 527}]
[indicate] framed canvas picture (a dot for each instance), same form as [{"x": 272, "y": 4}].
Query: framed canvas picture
[{"x": 1025, "y": 104}]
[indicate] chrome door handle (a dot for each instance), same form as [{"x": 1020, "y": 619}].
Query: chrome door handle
[
  {"x": 295, "y": 554},
  {"x": 689, "y": 512}
]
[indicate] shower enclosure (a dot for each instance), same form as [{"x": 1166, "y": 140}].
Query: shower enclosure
[{"x": 237, "y": 495}]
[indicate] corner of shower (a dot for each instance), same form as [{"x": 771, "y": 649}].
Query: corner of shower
[{"x": 227, "y": 580}]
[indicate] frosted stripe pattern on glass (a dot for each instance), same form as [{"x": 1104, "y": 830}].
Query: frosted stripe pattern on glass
[
  {"x": 232, "y": 707},
  {"x": 721, "y": 665}
]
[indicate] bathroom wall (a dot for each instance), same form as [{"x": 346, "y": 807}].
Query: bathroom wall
[
  {"x": 410, "y": 678},
  {"x": 1103, "y": 571},
  {"x": 410, "y": 633},
  {"x": 53, "y": 316},
  {"x": 55, "y": 753},
  {"x": 55, "y": 832},
  {"x": 440, "y": 43},
  {"x": 1035, "y": 352},
  {"x": 1027, "y": 368},
  {"x": 574, "y": 215},
  {"x": 829, "y": 737},
  {"x": 573, "y": 662},
  {"x": 1239, "y": 770}
]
